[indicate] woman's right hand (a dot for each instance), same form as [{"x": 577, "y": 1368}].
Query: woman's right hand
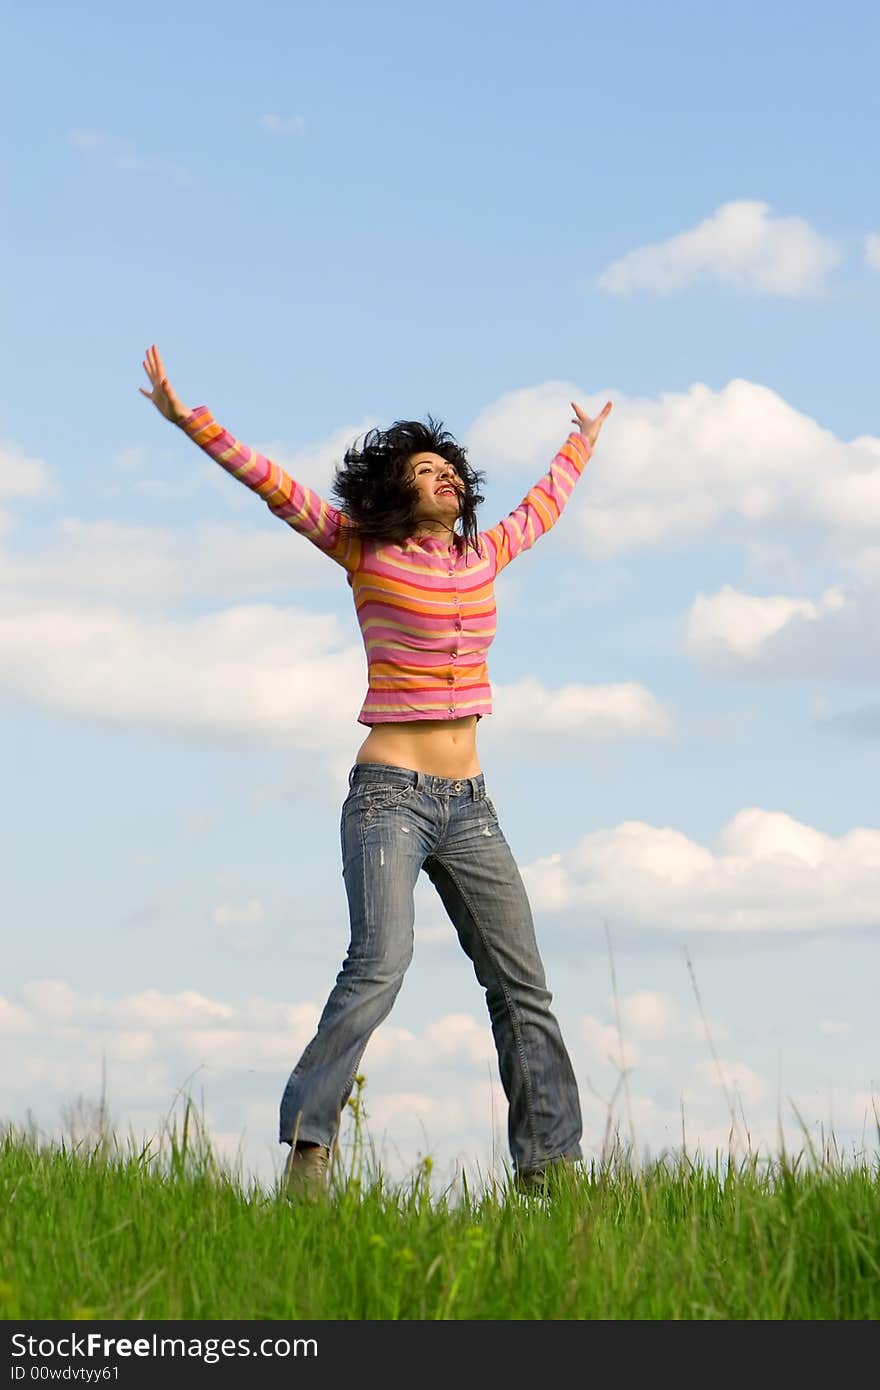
[{"x": 163, "y": 397}]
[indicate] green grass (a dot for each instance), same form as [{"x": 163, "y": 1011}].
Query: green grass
[{"x": 95, "y": 1231}]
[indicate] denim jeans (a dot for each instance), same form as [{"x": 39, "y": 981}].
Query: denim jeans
[{"x": 396, "y": 822}]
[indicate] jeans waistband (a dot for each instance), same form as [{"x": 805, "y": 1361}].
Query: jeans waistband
[{"x": 475, "y": 787}]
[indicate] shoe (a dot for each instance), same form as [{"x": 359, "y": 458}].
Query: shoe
[
  {"x": 539, "y": 1182},
  {"x": 306, "y": 1172},
  {"x": 531, "y": 1182}
]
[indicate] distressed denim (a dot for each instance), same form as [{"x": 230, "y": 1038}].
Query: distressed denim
[{"x": 396, "y": 822}]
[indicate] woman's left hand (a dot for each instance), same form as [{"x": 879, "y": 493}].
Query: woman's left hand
[{"x": 590, "y": 428}]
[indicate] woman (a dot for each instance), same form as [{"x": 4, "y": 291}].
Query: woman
[{"x": 424, "y": 596}]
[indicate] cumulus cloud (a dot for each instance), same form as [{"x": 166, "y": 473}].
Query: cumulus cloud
[
  {"x": 653, "y": 1016},
  {"x": 22, "y": 476},
  {"x": 217, "y": 560},
  {"x": 740, "y": 461},
  {"x": 861, "y": 1107},
  {"x": 584, "y": 712},
  {"x": 741, "y": 635},
  {"x": 278, "y": 673},
  {"x": 282, "y": 125},
  {"x": 151, "y": 1008},
  {"x": 767, "y": 872},
  {"x": 256, "y": 1032},
  {"x": 286, "y": 675},
  {"x": 834, "y": 1028},
  {"x": 242, "y": 922},
  {"x": 441, "y": 1077},
  {"x": 443, "y": 1041},
  {"x": 739, "y": 1079},
  {"x": 155, "y": 564},
  {"x": 14, "y": 1018},
  {"x": 431, "y": 1089},
  {"x": 741, "y": 245},
  {"x": 58, "y": 1000},
  {"x": 604, "y": 1042},
  {"x": 650, "y": 1014},
  {"x": 120, "y": 154}
]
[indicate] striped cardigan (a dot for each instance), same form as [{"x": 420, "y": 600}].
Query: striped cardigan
[{"x": 426, "y": 617}]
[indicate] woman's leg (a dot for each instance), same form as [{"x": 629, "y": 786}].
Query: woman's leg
[
  {"x": 478, "y": 880},
  {"x": 380, "y": 867}
]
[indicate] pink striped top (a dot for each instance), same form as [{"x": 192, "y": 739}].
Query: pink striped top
[{"x": 426, "y": 617}]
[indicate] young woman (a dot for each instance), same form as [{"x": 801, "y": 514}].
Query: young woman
[{"x": 424, "y": 597}]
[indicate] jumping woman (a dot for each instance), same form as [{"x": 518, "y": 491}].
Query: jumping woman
[{"x": 424, "y": 596}]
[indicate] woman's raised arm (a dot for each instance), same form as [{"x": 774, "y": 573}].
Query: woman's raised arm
[
  {"x": 299, "y": 506},
  {"x": 543, "y": 504}
]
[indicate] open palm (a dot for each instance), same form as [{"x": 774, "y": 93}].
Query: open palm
[
  {"x": 590, "y": 428},
  {"x": 163, "y": 397}
]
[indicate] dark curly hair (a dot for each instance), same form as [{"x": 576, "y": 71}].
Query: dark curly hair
[{"x": 373, "y": 488}]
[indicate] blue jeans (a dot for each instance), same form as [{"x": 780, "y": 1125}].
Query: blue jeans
[{"x": 396, "y": 822}]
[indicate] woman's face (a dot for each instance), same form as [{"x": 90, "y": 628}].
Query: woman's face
[{"x": 440, "y": 491}]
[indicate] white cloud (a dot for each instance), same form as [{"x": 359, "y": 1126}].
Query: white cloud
[
  {"x": 699, "y": 1026},
  {"x": 834, "y": 1028},
  {"x": 443, "y": 1076},
  {"x": 23, "y": 476},
  {"x": 153, "y": 1009},
  {"x": 742, "y": 635},
  {"x": 284, "y": 675},
  {"x": 688, "y": 463},
  {"x": 872, "y": 251},
  {"x": 742, "y": 245},
  {"x": 133, "y": 1045},
  {"x": 13, "y": 1018},
  {"x": 274, "y": 673},
  {"x": 731, "y": 630},
  {"x": 146, "y": 564},
  {"x": 588, "y": 712},
  {"x": 56, "y": 999},
  {"x": 604, "y": 1041},
  {"x": 242, "y": 922},
  {"x": 445, "y": 1041},
  {"x": 739, "y": 1079},
  {"x": 859, "y": 1108},
  {"x": 441, "y": 1113},
  {"x": 283, "y": 125},
  {"x": 650, "y": 1014},
  {"x": 214, "y": 560},
  {"x": 740, "y": 623},
  {"x": 779, "y": 563},
  {"x": 434, "y": 1089},
  {"x": 130, "y": 461},
  {"x": 863, "y": 561},
  {"x": 769, "y": 872},
  {"x": 119, "y": 154}
]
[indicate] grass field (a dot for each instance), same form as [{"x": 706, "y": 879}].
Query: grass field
[{"x": 101, "y": 1230}]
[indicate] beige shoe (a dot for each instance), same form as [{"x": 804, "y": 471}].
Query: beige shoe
[
  {"x": 544, "y": 1180},
  {"x": 306, "y": 1172}
]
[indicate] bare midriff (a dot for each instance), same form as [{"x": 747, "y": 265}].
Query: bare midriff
[{"x": 437, "y": 747}]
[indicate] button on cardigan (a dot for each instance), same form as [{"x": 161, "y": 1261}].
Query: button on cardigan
[{"x": 426, "y": 612}]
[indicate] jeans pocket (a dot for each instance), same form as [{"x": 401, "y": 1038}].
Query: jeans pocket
[
  {"x": 385, "y": 798},
  {"x": 490, "y": 807}
]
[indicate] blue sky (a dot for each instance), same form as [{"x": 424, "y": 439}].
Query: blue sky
[{"x": 331, "y": 219}]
